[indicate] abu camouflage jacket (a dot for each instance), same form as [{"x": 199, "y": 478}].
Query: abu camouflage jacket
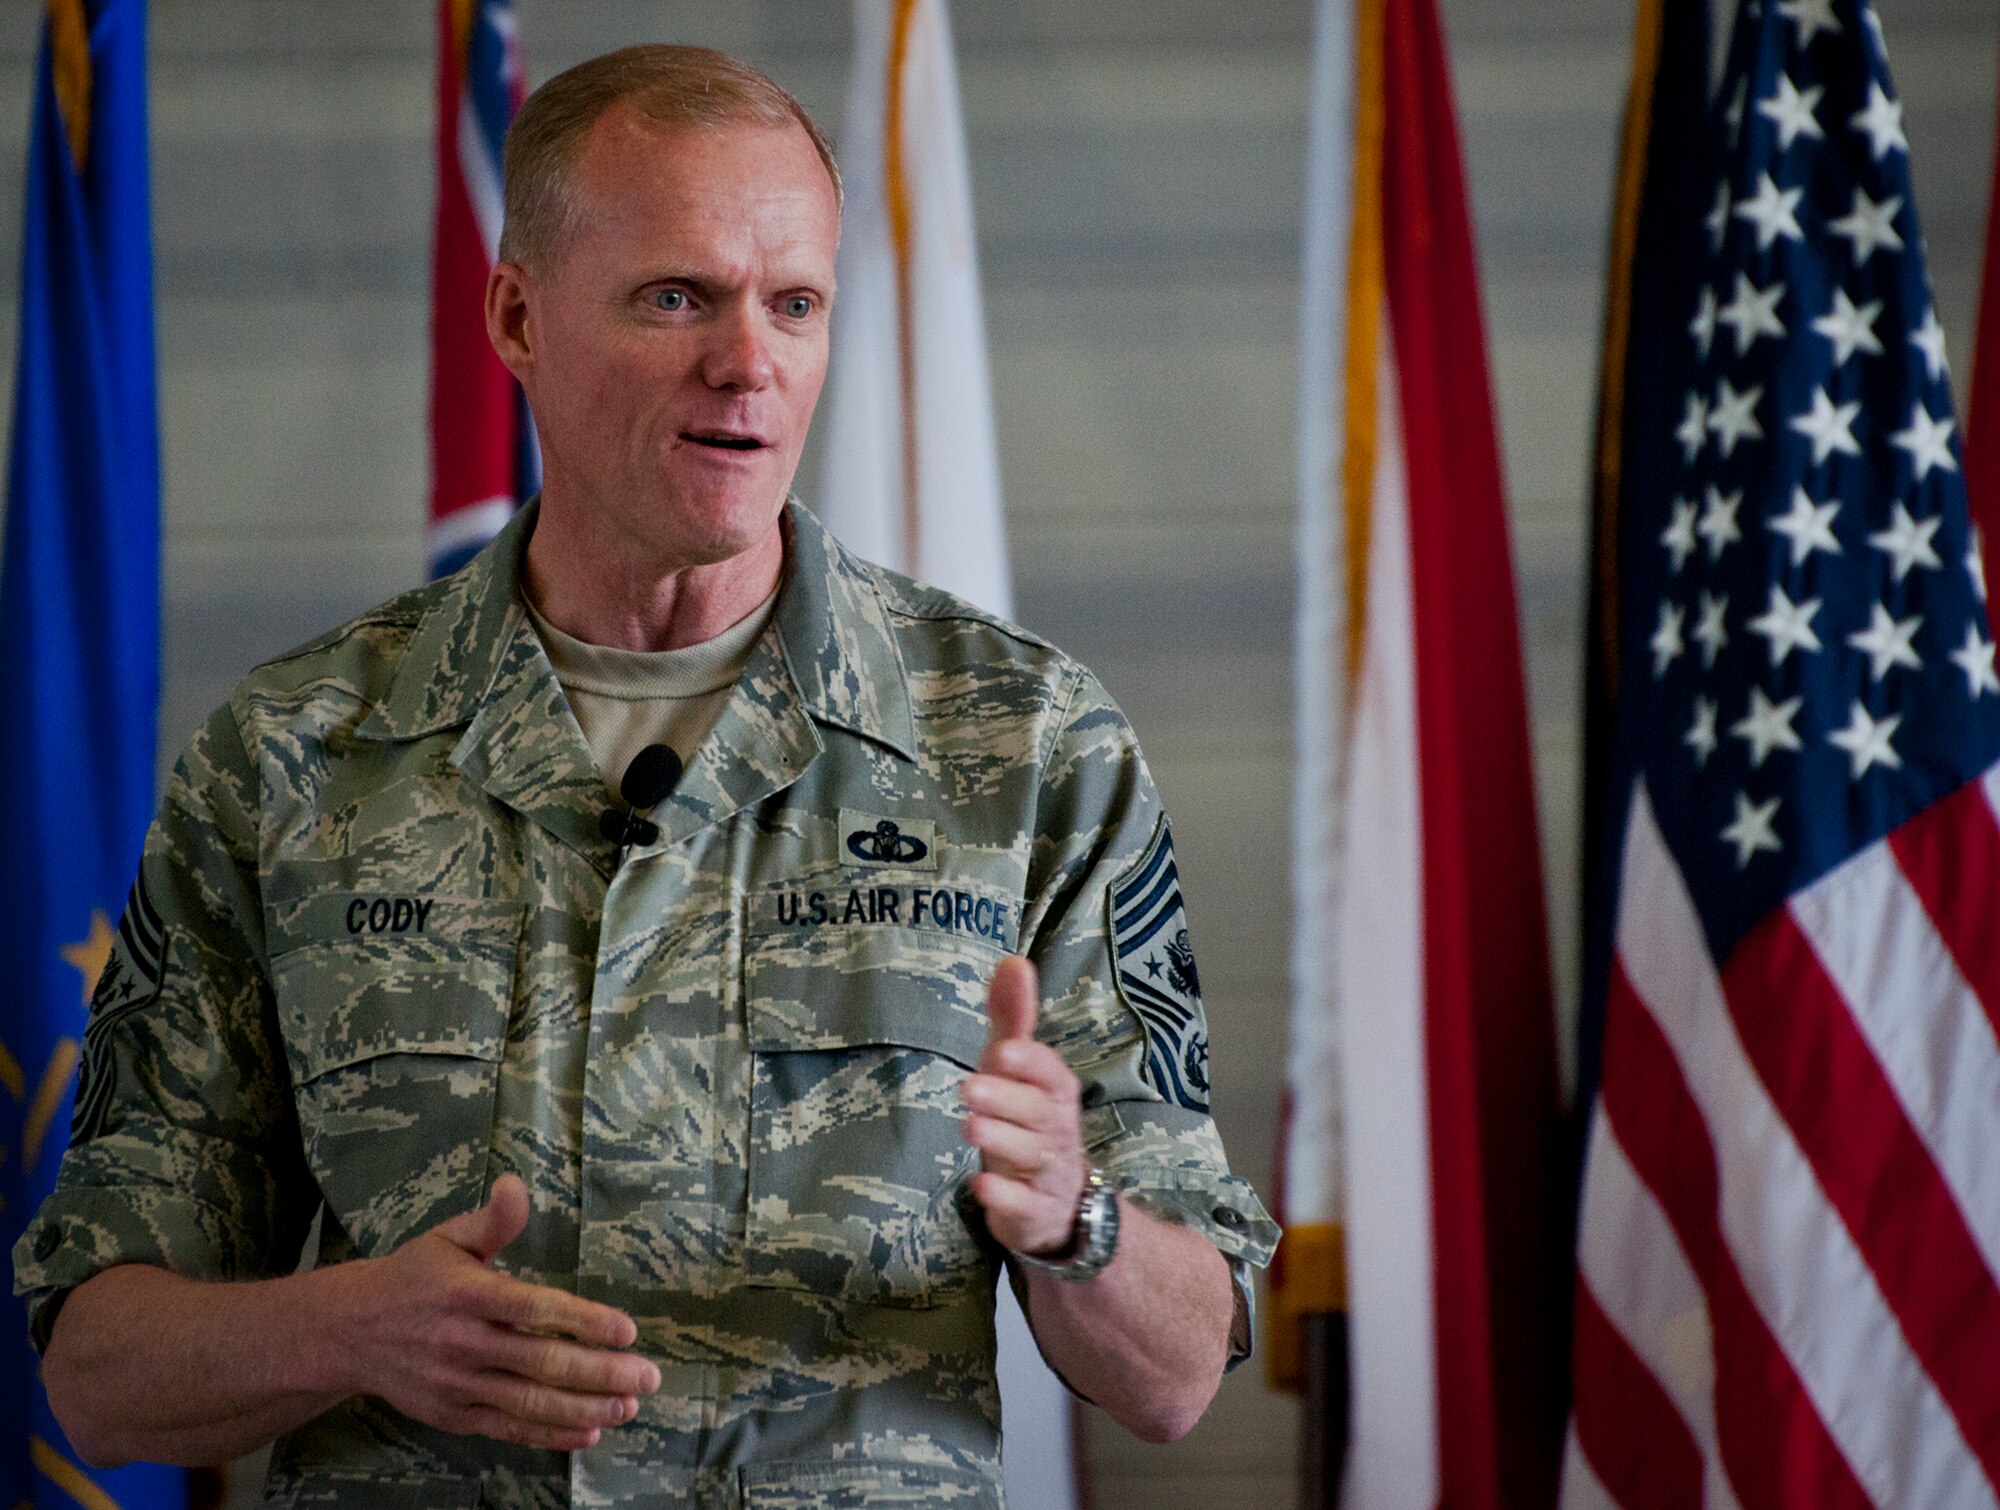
[{"x": 378, "y": 954}]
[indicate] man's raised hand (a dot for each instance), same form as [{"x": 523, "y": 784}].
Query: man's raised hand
[
  {"x": 445, "y": 1339},
  {"x": 1026, "y": 1119}
]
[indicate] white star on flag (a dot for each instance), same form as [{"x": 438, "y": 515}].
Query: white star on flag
[
  {"x": 1808, "y": 525},
  {"x": 1751, "y": 830},
  {"x": 1768, "y": 726},
  {"x": 1929, "y": 339},
  {"x": 1811, "y": 17},
  {"x": 1887, "y": 642},
  {"x": 1851, "y": 329},
  {"x": 1709, "y": 632},
  {"x": 1700, "y": 736},
  {"x": 1867, "y": 226},
  {"x": 1773, "y": 211},
  {"x": 1678, "y": 537},
  {"x": 1693, "y": 428},
  {"x": 1882, "y": 121},
  {"x": 1718, "y": 520},
  {"x": 1753, "y": 312},
  {"x": 1907, "y": 541},
  {"x": 1927, "y": 440},
  {"x": 1666, "y": 643},
  {"x": 1787, "y": 625},
  {"x": 1866, "y": 741},
  {"x": 1717, "y": 219},
  {"x": 1702, "y": 326},
  {"x": 1975, "y": 562},
  {"x": 1792, "y": 110},
  {"x": 1734, "y": 416},
  {"x": 1975, "y": 659},
  {"x": 1829, "y": 427}
]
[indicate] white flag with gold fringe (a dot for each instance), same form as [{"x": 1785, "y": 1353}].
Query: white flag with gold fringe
[
  {"x": 910, "y": 476},
  {"x": 911, "y": 472}
]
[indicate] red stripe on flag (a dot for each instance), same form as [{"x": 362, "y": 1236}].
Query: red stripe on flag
[
  {"x": 473, "y": 419},
  {"x": 1776, "y": 1449},
  {"x": 1638, "y": 1445},
  {"x": 1500, "y": 1228},
  {"x": 1830, "y": 1089},
  {"x": 1950, "y": 854}
]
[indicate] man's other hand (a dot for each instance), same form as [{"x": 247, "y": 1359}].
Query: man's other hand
[
  {"x": 1026, "y": 1120},
  {"x": 445, "y": 1339}
]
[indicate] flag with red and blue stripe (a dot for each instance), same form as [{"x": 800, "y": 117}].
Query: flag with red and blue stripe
[{"x": 484, "y": 461}]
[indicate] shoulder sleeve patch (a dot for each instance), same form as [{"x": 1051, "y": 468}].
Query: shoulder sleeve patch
[{"x": 1154, "y": 963}]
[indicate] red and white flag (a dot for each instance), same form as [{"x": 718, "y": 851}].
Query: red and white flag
[
  {"x": 1790, "y": 1229},
  {"x": 1422, "y": 1164},
  {"x": 484, "y": 462}
]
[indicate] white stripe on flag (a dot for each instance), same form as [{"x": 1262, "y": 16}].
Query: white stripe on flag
[
  {"x": 1796, "y": 1257},
  {"x": 1581, "y": 1487},
  {"x": 1628, "y": 1254},
  {"x": 1878, "y": 944},
  {"x": 1314, "y": 1195},
  {"x": 1392, "y": 1327},
  {"x": 482, "y": 177},
  {"x": 474, "y": 524}
]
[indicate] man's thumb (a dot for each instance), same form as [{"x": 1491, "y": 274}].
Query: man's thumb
[
  {"x": 1011, "y": 1003},
  {"x": 483, "y": 1233}
]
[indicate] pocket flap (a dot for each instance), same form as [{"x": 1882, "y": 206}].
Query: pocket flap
[
  {"x": 846, "y": 1018},
  {"x": 440, "y": 983}
]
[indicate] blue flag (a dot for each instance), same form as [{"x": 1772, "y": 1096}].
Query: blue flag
[{"x": 79, "y": 647}]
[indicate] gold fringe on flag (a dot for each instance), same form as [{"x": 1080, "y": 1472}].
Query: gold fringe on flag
[{"x": 69, "y": 58}]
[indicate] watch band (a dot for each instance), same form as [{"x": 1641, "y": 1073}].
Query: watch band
[{"x": 1093, "y": 1234}]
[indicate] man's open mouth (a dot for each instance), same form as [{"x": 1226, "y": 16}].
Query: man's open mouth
[{"x": 722, "y": 440}]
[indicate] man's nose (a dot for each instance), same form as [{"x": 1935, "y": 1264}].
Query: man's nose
[{"x": 739, "y": 357}]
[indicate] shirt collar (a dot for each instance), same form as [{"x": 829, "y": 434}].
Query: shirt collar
[{"x": 838, "y": 645}]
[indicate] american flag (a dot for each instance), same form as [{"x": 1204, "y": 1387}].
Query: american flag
[{"x": 1791, "y": 1218}]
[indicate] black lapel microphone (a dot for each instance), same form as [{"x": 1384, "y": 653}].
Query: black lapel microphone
[{"x": 646, "y": 782}]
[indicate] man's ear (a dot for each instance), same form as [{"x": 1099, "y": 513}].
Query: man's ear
[{"x": 509, "y": 323}]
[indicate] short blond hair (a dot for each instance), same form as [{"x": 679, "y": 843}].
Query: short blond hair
[{"x": 675, "y": 86}]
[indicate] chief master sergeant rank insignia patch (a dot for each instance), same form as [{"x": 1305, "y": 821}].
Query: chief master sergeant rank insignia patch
[{"x": 1156, "y": 974}]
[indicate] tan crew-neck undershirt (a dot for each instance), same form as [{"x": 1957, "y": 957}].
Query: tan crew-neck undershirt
[{"x": 628, "y": 699}]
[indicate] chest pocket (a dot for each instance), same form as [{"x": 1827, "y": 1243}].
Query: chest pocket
[
  {"x": 860, "y": 1035},
  {"x": 394, "y": 1038}
]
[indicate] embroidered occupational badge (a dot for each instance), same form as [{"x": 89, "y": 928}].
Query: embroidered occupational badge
[
  {"x": 1156, "y": 972},
  {"x": 875, "y": 840}
]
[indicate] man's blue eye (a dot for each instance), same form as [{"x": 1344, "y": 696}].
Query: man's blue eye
[
  {"x": 798, "y": 306},
  {"x": 670, "y": 299}
]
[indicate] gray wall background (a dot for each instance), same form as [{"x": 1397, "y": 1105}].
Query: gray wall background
[{"x": 1138, "y": 166}]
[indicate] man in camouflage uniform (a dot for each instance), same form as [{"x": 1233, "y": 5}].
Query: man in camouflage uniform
[{"x": 709, "y": 1091}]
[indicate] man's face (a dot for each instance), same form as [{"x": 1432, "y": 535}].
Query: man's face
[{"x": 674, "y": 344}]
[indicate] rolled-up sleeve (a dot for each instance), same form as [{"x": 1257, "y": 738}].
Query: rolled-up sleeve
[
  {"x": 184, "y": 1148},
  {"x": 1107, "y": 928}
]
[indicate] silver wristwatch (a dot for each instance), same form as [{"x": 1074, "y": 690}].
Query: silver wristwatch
[{"x": 1093, "y": 1236}]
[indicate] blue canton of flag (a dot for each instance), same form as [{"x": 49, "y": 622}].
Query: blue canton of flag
[
  {"x": 1817, "y": 643},
  {"x": 79, "y": 648}
]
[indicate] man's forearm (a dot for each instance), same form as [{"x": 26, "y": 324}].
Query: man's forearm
[
  {"x": 1148, "y": 1338},
  {"x": 144, "y": 1364}
]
